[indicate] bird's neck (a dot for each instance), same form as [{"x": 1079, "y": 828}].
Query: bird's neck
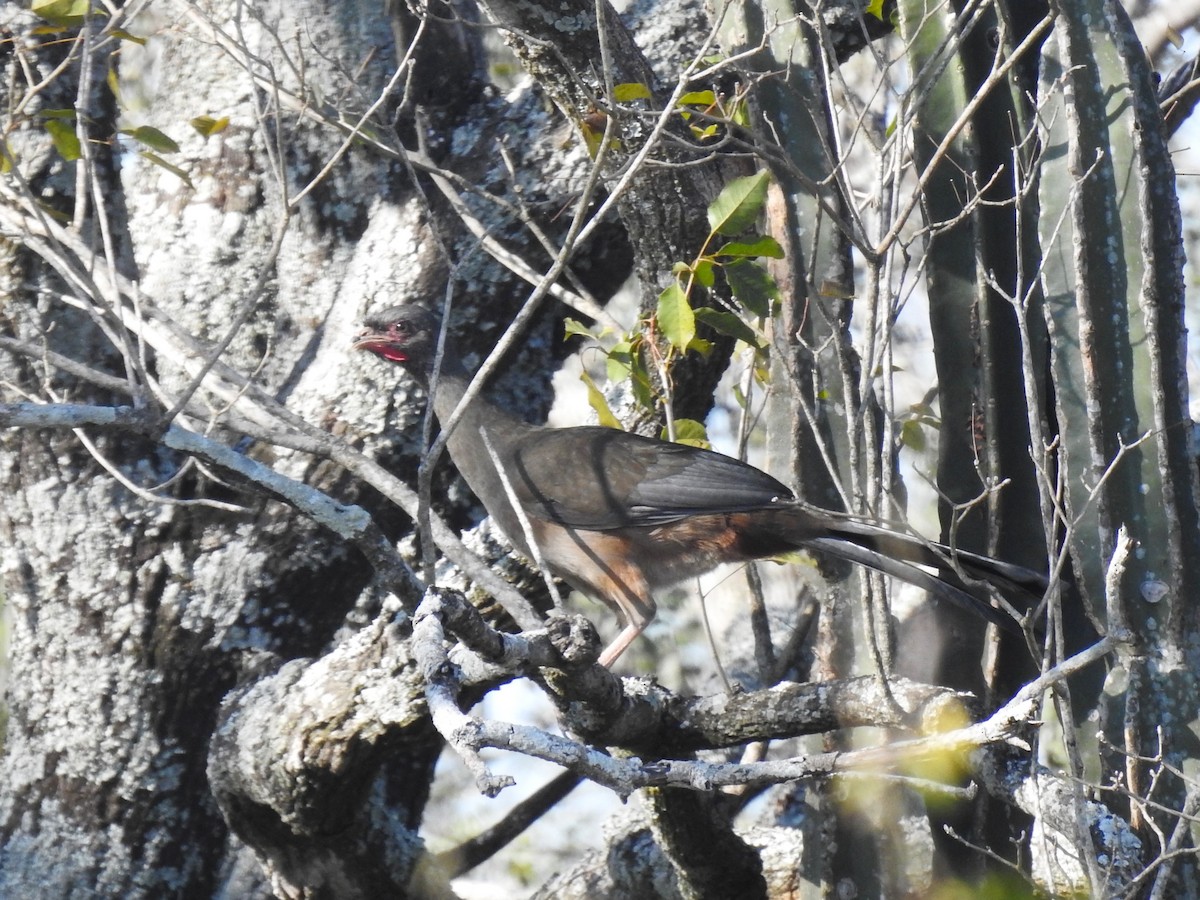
[
  {"x": 448, "y": 392},
  {"x": 484, "y": 439}
]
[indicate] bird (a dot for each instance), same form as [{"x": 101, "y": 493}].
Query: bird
[{"x": 619, "y": 516}]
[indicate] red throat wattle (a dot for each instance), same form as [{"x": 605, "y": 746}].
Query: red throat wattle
[{"x": 382, "y": 348}]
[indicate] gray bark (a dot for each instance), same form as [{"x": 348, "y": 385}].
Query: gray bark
[
  {"x": 212, "y": 686},
  {"x": 131, "y": 621}
]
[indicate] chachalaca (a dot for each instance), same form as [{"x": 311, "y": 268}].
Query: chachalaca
[{"x": 618, "y": 515}]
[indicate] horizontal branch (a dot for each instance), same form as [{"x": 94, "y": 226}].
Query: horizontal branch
[
  {"x": 627, "y": 775},
  {"x": 770, "y": 711},
  {"x": 349, "y": 522}
]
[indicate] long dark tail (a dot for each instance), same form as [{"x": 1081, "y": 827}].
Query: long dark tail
[
  {"x": 905, "y": 571},
  {"x": 895, "y": 553},
  {"x": 1008, "y": 577}
]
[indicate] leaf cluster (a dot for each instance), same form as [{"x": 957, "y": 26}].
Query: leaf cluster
[
  {"x": 707, "y": 113},
  {"x": 63, "y": 17},
  {"x": 724, "y": 287}
]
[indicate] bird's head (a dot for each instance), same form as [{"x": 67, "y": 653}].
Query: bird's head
[{"x": 405, "y": 334}]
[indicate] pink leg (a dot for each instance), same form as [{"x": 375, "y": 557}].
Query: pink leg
[{"x": 620, "y": 643}]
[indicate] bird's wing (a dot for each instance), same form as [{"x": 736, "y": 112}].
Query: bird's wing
[{"x": 598, "y": 479}]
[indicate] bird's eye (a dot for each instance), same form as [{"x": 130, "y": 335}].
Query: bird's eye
[{"x": 400, "y": 327}]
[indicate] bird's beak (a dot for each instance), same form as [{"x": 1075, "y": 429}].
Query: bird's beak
[{"x": 380, "y": 344}]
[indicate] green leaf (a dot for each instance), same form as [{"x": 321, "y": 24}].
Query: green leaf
[
  {"x": 920, "y": 408},
  {"x": 875, "y": 8},
  {"x": 62, "y": 12},
  {"x": 60, "y": 8},
  {"x": 163, "y": 164},
  {"x": 739, "y": 396},
  {"x": 56, "y": 114},
  {"x": 703, "y": 272},
  {"x": 152, "y": 138},
  {"x": 66, "y": 141},
  {"x": 625, "y": 363},
  {"x": 740, "y": 114},
  {"x": 760, "y": 246},
  {"x": 762, "y": 372},
  {"x": 502, "y": 70},
  {"x": 753, "y": 286},
  {"x": 114, "y": 84},
  {"x": 835, "y": 291},
  {"x": 620, "y": 361},
  {"x": 729, "y": 324},
  {"x": 592, "y": 137},
  {"x": 698, "y": 98},
  {"x": 207, "y": 126},
  {"x": 631, "y": 90},
  {"x": 690, "y": 432},
  {"x": 639, "y": 381},
  {"x": 912, "y": 435},
  {"x": 597, "y": 402},
  {"x": 793, "y": 558},
  {"x": 122, "y": 35},
  {"x": 573, "y": 327},
  {"x": 738, "y": 205},
  {"x": 675, "y": 318}
]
